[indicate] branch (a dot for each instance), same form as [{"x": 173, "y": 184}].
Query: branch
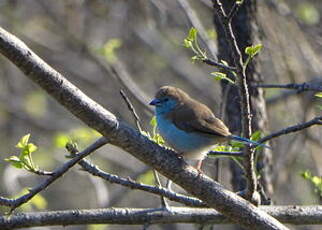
[
  {"x": 298, "y": 215},
  {"x": 128, "y": 182},
  {"x": 292, "y": 129},
  {"x": 245, "y": 98},
  {"x": 122, "y": 135},
  {"x": 219, "y": 65},
  {"x": 132, "y": 110},
  {"x": 225, "y": 153},
  {"x": 306, "y": 86},
  {"x": 57, "y": 173},
  {"x": 234, "y": 10}
]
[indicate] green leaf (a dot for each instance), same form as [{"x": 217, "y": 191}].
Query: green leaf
[
  {"x": 218, "y": 76},
  {"x": 195, "y": 58},
  {"x": 256, "y": 135},
  {"x": 15, "y": 162},
  {"x": 315, "y": 180},
  {"x": 158, "y": 139},
  {"x": 24, "y": 152},
  {"x": 153, "y": 121},
  {"x": 236, "y": 144},
  {"x": 318, "y": 94},
  {"x": 187, "y": 43},
  {"x": 224, "y": 62},
  {"x": 253, "y": 50},
  {"x": 192, "y": 34},
  {"x": 32, "y": 148},
  {"x": 23, "y": 141}
]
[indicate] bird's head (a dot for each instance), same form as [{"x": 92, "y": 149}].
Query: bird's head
[{"x": 167, "y": 98}]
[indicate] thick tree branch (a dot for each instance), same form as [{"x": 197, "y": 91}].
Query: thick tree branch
[
  {"x": 298, "y": 215},
  {"x": 122, "y": 135}
]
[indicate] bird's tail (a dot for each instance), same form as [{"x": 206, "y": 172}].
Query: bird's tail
[{"x": 247, "y": 141}]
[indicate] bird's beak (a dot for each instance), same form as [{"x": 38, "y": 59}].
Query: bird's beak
[{"x": 154, "y": 102}]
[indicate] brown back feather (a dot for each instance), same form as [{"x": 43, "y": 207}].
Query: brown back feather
[{"x": 191, "y": 115}]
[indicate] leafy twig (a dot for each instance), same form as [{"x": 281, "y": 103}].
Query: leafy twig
[
  {"x": 244, "y": 94},
  {"x": 57, "y": 173}
]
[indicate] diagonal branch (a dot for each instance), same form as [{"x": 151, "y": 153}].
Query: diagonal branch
[
  {"x": 306, "y": 86},
  {"x": 127, "y": 182},
  {"x": 122, "y": 135},
  {"x": 57, "y": 173},
  {"x": 292, "y": 129}
]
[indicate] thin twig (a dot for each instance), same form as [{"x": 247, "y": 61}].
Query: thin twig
[
  {"x": 138, "y": 125},
  {"x": 132, "y": 110},
  {"x": 219, "y": 65},
  {"x": 127, "y": 182},
  {"x": 41, "y": 172},
  {"x": 57, "y": 173},
  {"x": 306, "y": 86},
  {"x": 225, "y": 153},
  {"x": 234, "y": 10},
  {"x": 164, "y": 203},
  {"x": 292, "y": 129}
]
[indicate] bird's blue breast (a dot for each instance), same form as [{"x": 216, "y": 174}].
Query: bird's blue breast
[{"x": 192, "y": 145}]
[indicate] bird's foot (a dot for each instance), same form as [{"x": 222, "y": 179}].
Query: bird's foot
[{"x": 198, "y": 167}]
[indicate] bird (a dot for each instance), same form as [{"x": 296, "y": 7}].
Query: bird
[{"x": 189, "y": 126}]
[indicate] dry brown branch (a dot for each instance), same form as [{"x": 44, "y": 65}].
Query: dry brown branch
[{"x": 297, "y": 215}]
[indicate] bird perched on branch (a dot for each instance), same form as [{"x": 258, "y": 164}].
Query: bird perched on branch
[{"x": 188, "y": 126}]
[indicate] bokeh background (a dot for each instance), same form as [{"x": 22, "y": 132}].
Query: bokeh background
[{"x": 142, "y": 41}]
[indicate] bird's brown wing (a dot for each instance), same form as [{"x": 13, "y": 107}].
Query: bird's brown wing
[{"x": 197, "y": 117}]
